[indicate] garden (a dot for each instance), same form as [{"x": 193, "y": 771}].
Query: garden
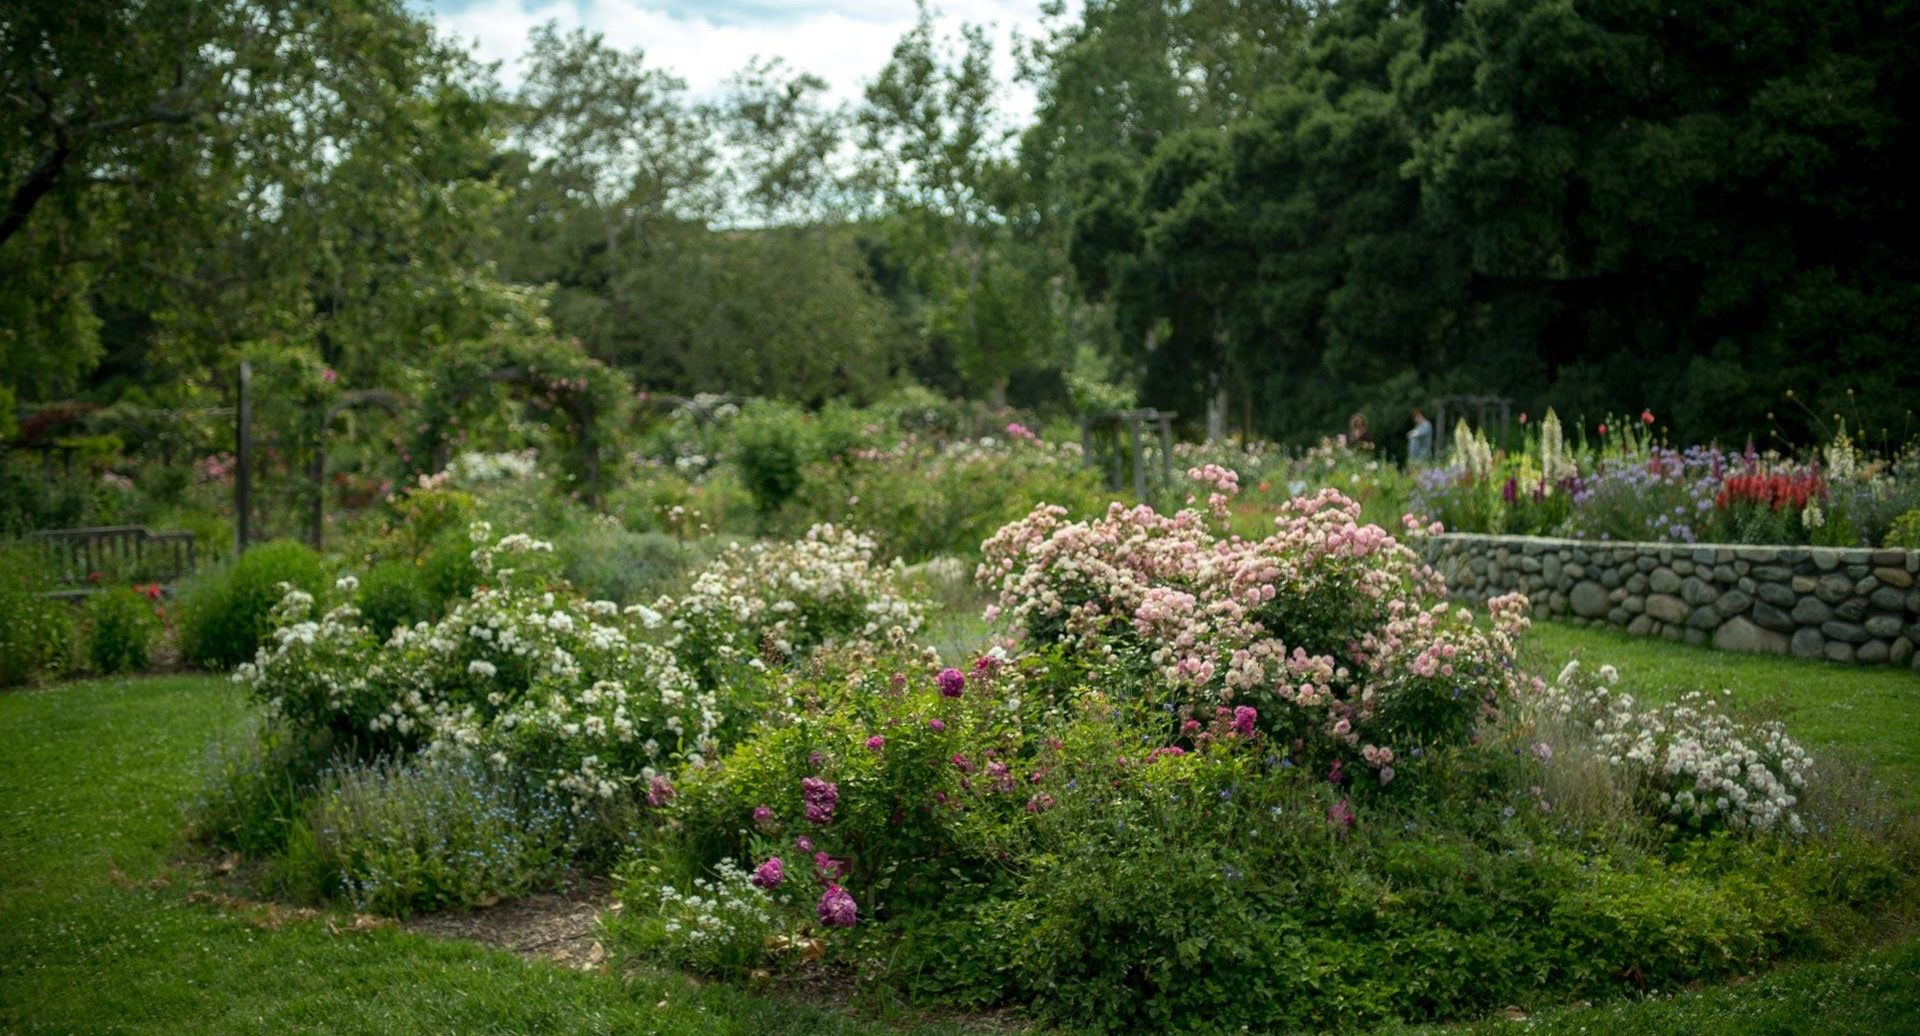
[
  {"x": 1122, "y": 517},
  {"x": 856, "y": 710}
]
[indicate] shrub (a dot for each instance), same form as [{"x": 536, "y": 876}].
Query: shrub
[
  {"x": 779, "y": 600},
  {"x": 919, "y": 503},
  {"x": 121, "y": 626},
  {"x": 225, "y": 614},
  {"x": 1689, "y": 763},
  {"x": 625, "y": 567},
  {"x": 427, "y": 514},
  {"x": 394, "y": 593},
  {"x": 560, "y": 688},
  {"x": 1904, "y": 534},
  {"x": 255, "y": 787},
  {"x": 447, "y": 570},
  {"x": 400, "y": 838},
  {"x": 36, "y": 631},
  {"x": 1318, "y": 629},
  {"x": 773, "y": 444}
]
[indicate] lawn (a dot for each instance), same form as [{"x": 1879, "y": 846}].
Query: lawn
[
  {"x": 1867, "y": 714},
  {"x": 103, "y": 937},
  {"x": 104, "y": 932}
]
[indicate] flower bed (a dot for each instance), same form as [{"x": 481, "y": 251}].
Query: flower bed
[
  {"x": 1190, "y": 764},
  {"x": 1629, "y": 486}
]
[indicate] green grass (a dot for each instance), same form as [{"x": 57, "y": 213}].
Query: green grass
[
  {"x": 1868, "y": 714},
  {"x": 94, "y": 775},
  {"x": 92, "y": 782}
]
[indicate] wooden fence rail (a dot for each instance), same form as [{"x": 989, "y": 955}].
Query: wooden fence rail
[{"x": 84, "y": 559}]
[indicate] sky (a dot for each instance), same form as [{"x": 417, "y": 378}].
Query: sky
[{"x": 703, "y": 42}]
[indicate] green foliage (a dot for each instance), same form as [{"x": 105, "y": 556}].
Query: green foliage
[
  {"x": 394, "y": 593},
  {"x": 77, "y": 841},
  {"x": 920, "y": 504},
  {"x": 610, "y": 563},
  {"x": 36, "y": 631},
  {"x": 225, "y": 612},
  {"x": 1905, "y": 531},
  {"x": 121, "y": 627},
  {"x": 718, "y": 925},
  {"x": 447, "y": 570},
  {"x": 581, "y": 399},
  {"x": 1503, "y": 196},
  {"x": 1117, "y": 892},
  {"x": 436, "y": 834},
  {"x": 371, "y": 257},
  {"x": 773, "y": 444},
  {"x": 254, "y": 786}
]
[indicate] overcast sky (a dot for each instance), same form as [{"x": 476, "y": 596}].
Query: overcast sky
[{"x": 704, "y": 41}]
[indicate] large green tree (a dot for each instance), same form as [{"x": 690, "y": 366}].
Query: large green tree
[
  {"x": 939, "y": 170},
  {"x": 697, "y": 246},
  {"x": 193, "y": 176},
  {"x": 1603, "y": 205}
]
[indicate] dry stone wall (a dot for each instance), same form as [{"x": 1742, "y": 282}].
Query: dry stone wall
[{"x": 1809, "y": 602}]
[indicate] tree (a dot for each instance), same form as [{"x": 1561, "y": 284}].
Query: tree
[
  {"x": 193, "y": 176},
  {"x": 936, "y": 164},
  {"x": 1600, "y": 206}
]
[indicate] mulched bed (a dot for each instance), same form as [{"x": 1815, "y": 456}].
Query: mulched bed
[{"x": 560, "y": 926}]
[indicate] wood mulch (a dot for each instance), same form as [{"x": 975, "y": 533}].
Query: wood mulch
[{"x": 562, "y": 926}]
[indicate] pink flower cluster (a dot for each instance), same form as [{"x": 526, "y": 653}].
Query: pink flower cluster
[
  {"x": 821, "y": 797},
  {"x": 1223, "y": 482},
  {"x": 837, "y": 909},
  {"x": 1327, "y": 614}
]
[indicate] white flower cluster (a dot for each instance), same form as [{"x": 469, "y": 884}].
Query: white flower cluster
[
  {"x": 474, "y": 468},
  {"x": 780, "y": 599},
  {"x": 1700, "y": 766},
  {"x": 560, "y": 687},
  {"x": 1472, "y": 453},
  {"x": 718, "y": 923},
  {"x": 1555, "y": 462}
]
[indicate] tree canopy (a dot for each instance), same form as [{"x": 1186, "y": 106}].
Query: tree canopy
[{"x": 1295, "y": 209}]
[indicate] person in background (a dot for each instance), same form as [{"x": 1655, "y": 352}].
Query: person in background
[
  {"x": 1420, "y": 439},
  {"x": 1358, "y": 433}
]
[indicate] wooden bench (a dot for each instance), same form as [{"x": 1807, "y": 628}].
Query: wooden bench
[{"x": 84, "y": 560}]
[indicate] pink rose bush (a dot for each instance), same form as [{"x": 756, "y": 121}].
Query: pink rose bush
[{"x": 1329, "y": 628}]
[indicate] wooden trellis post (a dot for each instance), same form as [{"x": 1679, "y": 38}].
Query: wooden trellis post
[{"x": 243, "y": 461}]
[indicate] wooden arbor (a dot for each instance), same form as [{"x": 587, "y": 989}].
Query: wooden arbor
[
  {"x": 575, "y": 400},
  {"x": 1117, "y": 443},
  {"x": 391, "y": 402},
  {"x": 1479, "y": 410}
]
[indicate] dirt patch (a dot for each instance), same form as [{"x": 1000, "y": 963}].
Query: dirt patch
[{"x": 562, "y": 926}]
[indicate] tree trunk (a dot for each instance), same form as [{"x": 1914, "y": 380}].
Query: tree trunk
[
  {"x": 45, "y": 173},
  {"x": 1216, "y": 406}
]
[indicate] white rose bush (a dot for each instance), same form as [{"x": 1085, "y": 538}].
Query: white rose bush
[
  {"x": 581, "y": 695},
  {"x": 776, "y": 601}
]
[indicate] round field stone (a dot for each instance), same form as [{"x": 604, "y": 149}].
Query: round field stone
[
  {"x": 1810, "y": 612},
  {"x": 1588, "y": 599}
]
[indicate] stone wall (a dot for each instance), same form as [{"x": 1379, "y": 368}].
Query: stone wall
[{"x": 1810, "y": 602}]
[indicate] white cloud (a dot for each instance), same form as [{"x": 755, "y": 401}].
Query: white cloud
[{"x": 843, "y": 41}]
